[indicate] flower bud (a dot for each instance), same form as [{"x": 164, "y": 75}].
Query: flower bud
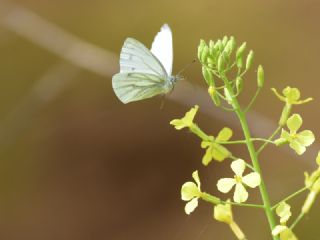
[
  {"x": 239, "y": 55},
  {"x": 249, "y": 60},
  {"x": 230, "y": 46},
  {"x": 212, "y": 91},
  {"x": 211, "y": 47},
  {"x": 260, "y": 76},
  {"x": 223, "y": 213},
  {"x": 214, "y": 96},
  {"x": 227, "y": 95},
  {"x": 207, "y": 75},
  {"x": 218, "y": 46},
  {"x": 221, "y": 63},
  {"x": 200, "y": 48},
  {"x": 239, "y": 84},
  {"x": 224, "y": 41},
  {"x": 318, "y": 159},
  {"x": 204, "y": 54},
  {"x": 311, "y": 196}
]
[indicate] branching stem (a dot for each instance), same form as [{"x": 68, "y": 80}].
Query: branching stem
[
  {"x": 269, "y": 139},
  {"x": 290, "y": 196},
  {"x": 254, "y": 158}
]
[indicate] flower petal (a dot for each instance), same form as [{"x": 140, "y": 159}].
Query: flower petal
[
  {"x": 306, "y": 138},
  {"x": 252, "y": 179},
  {"x": 240, "y": 194},
  {"x": 238, "y": 167},
  {"x": 196, "y": 178},
  {"x": 178, "y": 124},
  {"x": 285, "y": 134},
  {"x": 189, "y": 190},
  {"x": 278, "y": 229},
  {"x": 219, "y": 152},
  {"x": 294, "y": 123},
  {"x": 225, "y": 184},
  {"x": 224, "y": 135},
  {"x": 207, "y": 157},
  {"x": 292, "y": 94},
  {"x": 287, "y": 234},
  {"x": 191, "y": 206},
  {"x": 295, "y": 145},
  {"x": 187, "y": 120},
  {"x": 284, "y": 212}
]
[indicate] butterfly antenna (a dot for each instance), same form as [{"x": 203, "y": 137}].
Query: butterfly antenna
[{"x": 188, "y": 65}]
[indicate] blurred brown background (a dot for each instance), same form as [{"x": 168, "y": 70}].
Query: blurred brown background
[{"x": 78, "y": 164}]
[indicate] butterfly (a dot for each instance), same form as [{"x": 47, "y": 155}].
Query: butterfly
[{"x": 145, "y": 73}]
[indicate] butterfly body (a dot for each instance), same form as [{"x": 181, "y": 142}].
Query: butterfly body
[{"x": 145, "y": 73}]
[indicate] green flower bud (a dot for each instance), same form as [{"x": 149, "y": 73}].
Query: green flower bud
[
  {"x": 204, "y": 54},
  {"x": 260, "y": 76},
  {"x": 227, "y": 95},
  {"x": 223, "y": 213},
  {"x": 224, "y": 41},
  {"x": 239, "y": 84},
  {"x": 214, "y": 96},
  {"x": 318, "y": 159},
  {"x": 200, "y": 48},
  {"x": 218, "y": 46},
  {"x": 211, "y": 47},
  {"x": 231, "y": 44},
  {"x": 249, "y": 60},
  {"x": 221, "y": 63},
  {"x": 211, "y": 62},
  {"x": 311, "y": 196},
  {"x": 212, "y": 91},
  {"x": 207, "y": 75},
  {"x": 239, "y": 55}
]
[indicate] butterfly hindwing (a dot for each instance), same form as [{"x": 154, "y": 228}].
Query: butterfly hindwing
[{"x": 131, "y": 87}]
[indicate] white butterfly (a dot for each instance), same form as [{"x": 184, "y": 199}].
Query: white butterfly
[{"x": 145, "y": 73}]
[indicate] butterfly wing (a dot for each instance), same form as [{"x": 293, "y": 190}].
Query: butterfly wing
[
  {"x": 162, "y": 48},
  {"x": 135, "y": 57},
  {"x": 133, "y": 86}
]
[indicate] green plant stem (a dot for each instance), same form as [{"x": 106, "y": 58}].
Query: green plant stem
[
  {"x": 298, "y": 219},
  {"x": 253, "y": 100},
  {"x": 244, "y": 204},
  {"x": 214, "y": 200},
  {"x": 270, "y": 138},
  {"x": 244, "y": 141},
  {"x": 254, "y": 158},
  {"x": 290, "y": 196}
]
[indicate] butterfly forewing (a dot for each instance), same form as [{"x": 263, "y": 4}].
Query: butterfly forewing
[
  {"x": 135, "y": 57},
  {"x": 162, "y": 48}
]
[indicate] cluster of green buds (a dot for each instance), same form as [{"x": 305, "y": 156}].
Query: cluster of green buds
[{"x": 222, "y": 57}]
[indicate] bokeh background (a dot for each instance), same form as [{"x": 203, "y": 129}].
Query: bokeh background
[{"x": 76, "y": 163}]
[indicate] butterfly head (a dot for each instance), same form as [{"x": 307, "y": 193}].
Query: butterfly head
[{"x": 176, "y": 78}]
